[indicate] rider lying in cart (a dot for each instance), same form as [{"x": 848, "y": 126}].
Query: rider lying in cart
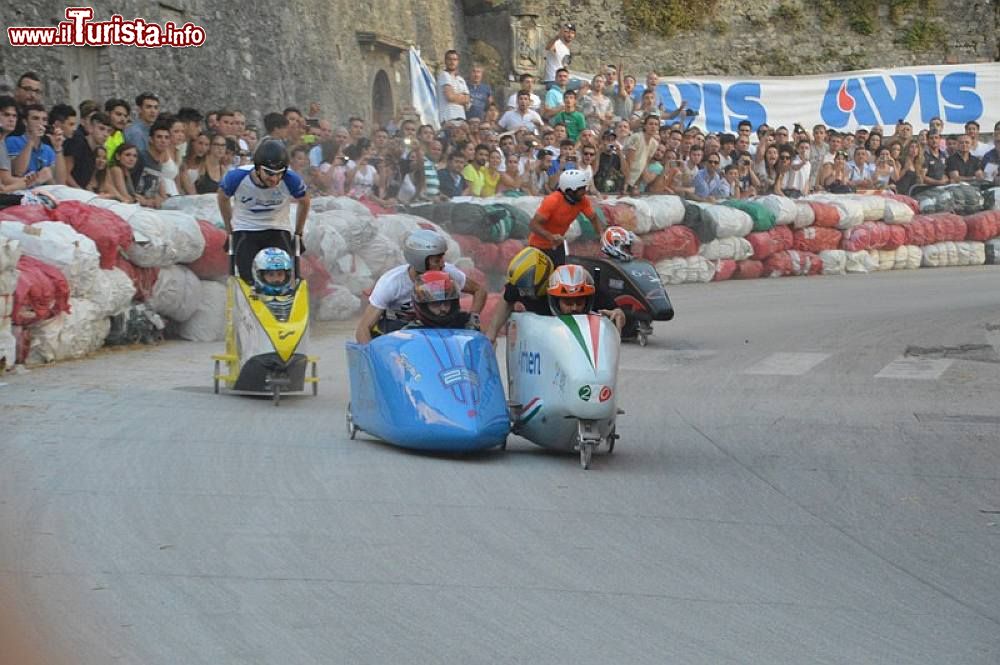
[
  {"x": 542, "y": 289},
  {"x": 272, "y": 279}
]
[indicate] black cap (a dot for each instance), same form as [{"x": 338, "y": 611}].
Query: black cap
[
  {"x": 569, "y": 26},
  {"x": 609, "y": 133}
]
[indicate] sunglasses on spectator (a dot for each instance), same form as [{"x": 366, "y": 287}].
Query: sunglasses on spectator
[
  {"x": 218, "y": 145},
  {"x": 713, "y": 161},
  {"x": 786, "y": 158}
]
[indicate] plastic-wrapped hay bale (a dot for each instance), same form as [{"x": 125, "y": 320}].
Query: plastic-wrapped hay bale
[
  {"x": 792, "y": 263},
  {"x": 668, "y": 243},
  {"x": 936, "y": 199},
  {"x": 338, "y": 305},
  {"x": 726, "y": 221},
  {"x": 817, "y": 238},
  {"x": 113, "y": 291},
  {"x": 10, "y": 253},
  {"x": 57, "y": 244},
  {"x": 380, "y": 254},
  {"x": 783, "y": 208},
  {"x": 724, "y": 269},
  {"x": 356, "y": 228},
  {"x": 323, "y": 241},
  {"x": 153, "y": 239},
  {"x": 620, "y": 215},
  {"x": 72, "y": 335},
  {"x": 896, "y": 212},
  {"x": 761, "y": 216},
  {"x": 41, "y": 291},
  {"x": 184, "y": 233},
  {"x": 766, "y": 243},
  {"x": 867, "y": 235},
  {"x": 695, "y": 220},
  {"x": 643, "y": 214},
  {"x": 936, "y": 255},
  {"x": 824, "y": 214},
  {"x": 27, "y": 214},
  {"x": 991, "y": 198},
  {"x": 177, "y": 293},
  {"x": 983, "y": 226},
  {"x": 748, "y": 269},
  {"x": 199, "y": 206},
  {"x": 860, "y": 262},
  {"x": 992, "y": 248},
  {"x": 727, "y": 248},
  {"x": 850, "y": 210},
  {"x": 834, "y": 261},
  {"x": 971, "y": 253},
  {"x": 66, "y": 193},
  {"x": 665, "y": 210},
  {"x": 906, "y": 257},
  {"x": 342, "y": 203},
  {"x": 873, "y": 207},
  {"x": 805, "y": 215},
  {"x": 109, "y": 232},
  {"x": 526, "y": 204},
  {"x": 214, "y": 261},
  {"x": 208, "y": 323},
  {"x": 968, "y": 199},
  {"x": 685, "y": 270},
  {"x": 909, "y": 202}
]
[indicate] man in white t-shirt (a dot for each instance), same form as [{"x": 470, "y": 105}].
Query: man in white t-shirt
[
  {"x": 527, "y": 84},
  {"x": 453, "y": 93},
  {"x": 557, "y": 53},
  {"x": 392, "y": 294},
  {"x": 523, "y": 117}
]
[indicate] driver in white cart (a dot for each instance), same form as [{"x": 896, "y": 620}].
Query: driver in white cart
[{"x": 390, "y": 305}]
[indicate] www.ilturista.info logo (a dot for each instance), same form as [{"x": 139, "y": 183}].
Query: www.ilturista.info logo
[{"x": 79, "y": 30}]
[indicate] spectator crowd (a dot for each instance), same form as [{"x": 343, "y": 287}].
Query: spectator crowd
[{"x": 489, "y": 144}]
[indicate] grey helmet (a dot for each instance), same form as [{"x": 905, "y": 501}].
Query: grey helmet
[{"x": 420, "y": 245}]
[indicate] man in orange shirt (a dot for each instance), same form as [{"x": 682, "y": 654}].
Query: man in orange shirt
[{"x": 557, "y": 212}]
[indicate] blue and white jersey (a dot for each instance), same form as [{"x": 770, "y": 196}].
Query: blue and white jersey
[{"x": 258, "y": 208}]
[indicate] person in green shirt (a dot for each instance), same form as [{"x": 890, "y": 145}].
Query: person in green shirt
[{"x": 574, "y": 121}]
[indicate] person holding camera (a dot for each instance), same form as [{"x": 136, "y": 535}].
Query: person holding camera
[
  {"x": 609, "y": 178},
  {"x": 39, "y": 163}
]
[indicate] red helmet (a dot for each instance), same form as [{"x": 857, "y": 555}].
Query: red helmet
[
  {"x": 616, "y": 242},
  {"x": 435, "y": 287}
]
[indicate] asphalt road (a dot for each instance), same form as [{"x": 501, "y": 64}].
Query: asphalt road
[{"x": 791, "y": 487}]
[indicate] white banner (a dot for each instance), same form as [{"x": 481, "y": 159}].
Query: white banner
[
  {"x": 955, "y": 93},
  {"x": 423, "y": 91}
]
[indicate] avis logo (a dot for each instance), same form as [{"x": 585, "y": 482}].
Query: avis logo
[
  {"x": 870, "y": 100},
  {"x": 722, "y": 107}
]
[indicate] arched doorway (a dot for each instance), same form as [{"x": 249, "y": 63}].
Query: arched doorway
[{"x": 382, "y": 107}]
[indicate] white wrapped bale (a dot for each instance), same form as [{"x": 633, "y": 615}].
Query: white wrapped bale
[
  {"x": 10, "y": 254},
  {"x": 804, "y": 215},
  {"x": 338, "y": 305},
  {"x": 665, "y": 210},
  {"x": 971, "y": 253},
  {"x": 59, "y": 245},
  {"x": 860, "y": 262},
  {"x": 834, "y": 261},
  {"x": 65, "y": 193},
  {"x": 355, "y": 228},
  {"x": 905, "y": 257},
  {"x": 160, "y": 241},
  {"x": 851, "y": 212},
  {"x": 897, "y": 212},
  {"x": 685, "y": 270},
  {"x": 184, "y": 235},
  {"x": 727, "y": 248},
  {"x": 872, "y": 207},
  {"x": 727, "y": 222},
  {"x": 208, "y": 323},
  {"x": 113, "y": 291},
  {"x": 380, "y": 254},
  {"x": 177, "y": 293},
  {"x": 342, "y": 203},
  {"x": 784, "y": 209},
  {"x": 73, "y": 335},
  {"x": 200, "y": 206},
  {"x": 527, "y": 204},
  {"x": 8, "y": 346},
  {"x": 323, "y": 241}
]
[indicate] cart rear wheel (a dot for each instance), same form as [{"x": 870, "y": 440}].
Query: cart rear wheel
[
  {"x": 315, "y": 382},
  {"x": 352, "y": 429},
  {"x": 612, "y": 437},
  {"x": 642, "y": 338},
  {"x": 586, "y": 452},
  {"x": 215, "y": 378}
]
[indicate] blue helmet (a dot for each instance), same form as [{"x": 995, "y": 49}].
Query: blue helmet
[{"x": 272, "y": 272}]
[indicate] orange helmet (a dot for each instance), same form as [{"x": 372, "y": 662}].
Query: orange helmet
[{"x": 571, "y": 282}]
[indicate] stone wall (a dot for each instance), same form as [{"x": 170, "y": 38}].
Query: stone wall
[
  {"x": 258, "y": 56},
  {"x": 759, "y": 37}
]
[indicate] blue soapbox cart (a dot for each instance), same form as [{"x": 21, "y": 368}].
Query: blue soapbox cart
[{"x": 428, "y": 389}]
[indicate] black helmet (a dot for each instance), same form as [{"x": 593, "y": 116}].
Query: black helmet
[{"x": 271, "y": 155}]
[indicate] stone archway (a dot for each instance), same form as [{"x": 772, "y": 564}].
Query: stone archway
[{"x": 383, "y": 109}]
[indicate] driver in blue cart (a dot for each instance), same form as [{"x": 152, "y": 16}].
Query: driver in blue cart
[
  {"x": 436, "y": 303},
  {"x": 390, "y": 305}
]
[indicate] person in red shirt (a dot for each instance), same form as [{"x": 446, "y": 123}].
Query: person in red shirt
[{"x": 557, "y": 212}]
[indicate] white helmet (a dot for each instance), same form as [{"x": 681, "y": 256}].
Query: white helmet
[
  {"x": 420, "y": 246},
  {"x": 573, "y": 185}
]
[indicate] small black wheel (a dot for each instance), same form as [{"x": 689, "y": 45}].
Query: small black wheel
[
  {"x": 276, "y": 394},
  {"x": 352, "y": 429},
  {"x": 315, "y": 383},
  {"x": 586, "y": 452},
  {"x": 215, "y": 378},
  {"x": 503, "y": 444},
  {"x": 642, "y": 338},
  {"x": 612, "y": 437}
]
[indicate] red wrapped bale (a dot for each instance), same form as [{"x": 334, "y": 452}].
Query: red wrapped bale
[
  {"x": 792, "y": 263},
  {"x": 620, "y": 215},
  {"x": 867, "y": 235},
  {"x": 825, "y": 214},
  {"x": 467, "y": 243},
  {"x": 29, "y": 214},
  {"x": 475, "y": 274},
  {"x": 815, "y": 239},
  {"x": 983, "y": 226},
  {"x": 748, "y": 269},
  {"x": 508, "y": 250},
  {"x": 315, "y": 274},
  {"x": 766, "y": 243},
  {"x": 109, "y": 232},
  {"x": 910, "y": 202},
  {"x": 42, "y": 292},
  {"x": 144, "y": 279},
  {"x": 672, "y": 242},
  {"x": 591, "y": 248},
  {"x": 487, "y": 257},
  {"x": 214, "y": 261},
  {"x": 724, "y": 269}
]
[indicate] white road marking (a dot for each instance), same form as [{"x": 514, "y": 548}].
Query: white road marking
[
  {"x": 787, "y": 364},
  {"x": 671, "y": 359},
  {"x": 915, "y": 368}
]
